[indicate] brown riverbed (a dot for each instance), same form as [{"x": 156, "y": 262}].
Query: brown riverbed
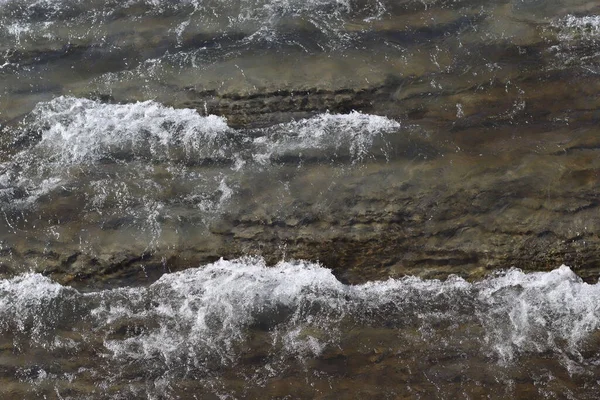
[{"x": 402, "y": 140}]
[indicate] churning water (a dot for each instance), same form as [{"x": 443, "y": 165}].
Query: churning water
[
  {"x": 242, "y": 329},
  {"x": 166, "y": 165}
]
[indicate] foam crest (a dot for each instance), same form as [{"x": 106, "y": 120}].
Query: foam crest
[
  {"x": 578, "y": 28},
  {"x": 539, "y": 311},
  {"x": 200, "y": 317},
  {"x": 33, "y": 306},
  {"x": 79, "y": 131},
  {"x": 63, "y": 141},
  {"x": 353, "y": 133},
  {"x": 205, "y": 312}
]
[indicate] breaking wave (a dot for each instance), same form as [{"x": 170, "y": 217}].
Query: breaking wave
[
  {"x": 67, "y": 138},
  {"x": 204, "y": 319}
]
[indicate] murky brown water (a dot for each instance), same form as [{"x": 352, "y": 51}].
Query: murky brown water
[{"x": 383, "y": 139}]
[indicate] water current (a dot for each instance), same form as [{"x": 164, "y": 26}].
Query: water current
[
  {"x": 299, "y": 199},
  {"x": 242, "y": 329}
]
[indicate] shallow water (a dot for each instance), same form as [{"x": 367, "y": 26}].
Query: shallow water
[
  {"x": 163, "y": 163},
  {"x": 242, "y": 329}
]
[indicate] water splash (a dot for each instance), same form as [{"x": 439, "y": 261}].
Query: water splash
[
  {"x": 219, "y": 301},
  {"x": 578, "y": 38},
  {"x": 68, "y": 137},
  {"x": 203, "y": 319}
]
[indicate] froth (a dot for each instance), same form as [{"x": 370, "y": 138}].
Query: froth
[
  {"x": 81, "y": 130},
  {"x": 215, "y": 305},
  {"x": 71, "y": 134},
  {"x": 354, "y": 132},
  {"x": 572, "y": 27},
  {"x": 32, "y": 306},
  {"x": 539, "y": 311},
  {"x": 201, "y": 316}
]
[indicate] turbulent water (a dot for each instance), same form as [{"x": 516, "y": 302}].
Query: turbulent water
[
  {"x": 242, "y": 329},
  {"x": 256, "y": 198}
]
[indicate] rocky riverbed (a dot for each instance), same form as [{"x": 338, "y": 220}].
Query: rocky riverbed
[
  {"x": 226, "y": 199},
  {"x": 473, "y": 139}
]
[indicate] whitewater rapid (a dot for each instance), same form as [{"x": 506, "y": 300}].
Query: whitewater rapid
[
  {"x": 223, "y": 199},
  {"x": 192, "y": 324},
  {"x": 68, "y": 134}
]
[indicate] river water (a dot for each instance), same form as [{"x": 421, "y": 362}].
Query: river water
[
  {"x": 299, "y": 199},
  {"x": 240, "y": 329}
]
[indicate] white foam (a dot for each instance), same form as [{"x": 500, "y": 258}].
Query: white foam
[
  {"x": 541, "y": 309},
  {"x": 29, "y": 308},
  {"x": 80, "y": 130},
  {"x": 72, "y": 134},
  {"x": 572, "y": 27},
  {"x": 353, "y": 132},
  {"x": 69, "y": 133},
  {"x": 212, "y": 307},
  {"x": 201, "y": 316}
]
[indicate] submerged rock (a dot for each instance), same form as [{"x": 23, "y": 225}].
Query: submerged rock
[
  {"x": 379, "y": 139},
  {"x": 464, "y": 213}
]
